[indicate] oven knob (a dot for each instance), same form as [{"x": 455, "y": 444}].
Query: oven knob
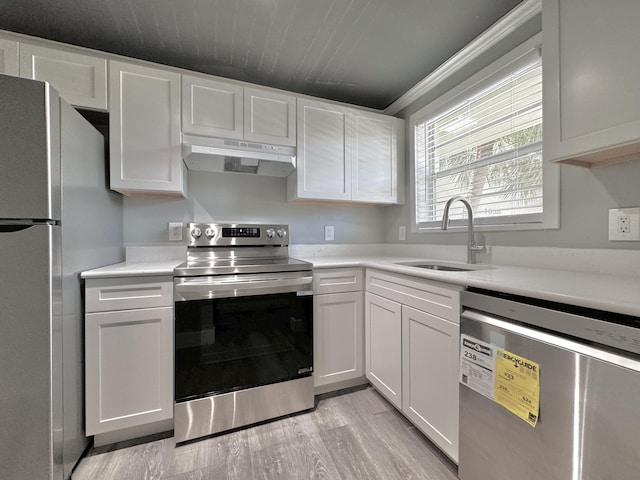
[
  {"x": 270, "y": 232},
  {"x": 282, "y": 233},
  {"x": 196, "y": 232},
  {"x": 210, "y": 232}
]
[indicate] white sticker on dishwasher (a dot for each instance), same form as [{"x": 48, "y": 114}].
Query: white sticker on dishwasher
[{"x": 477, "y": 365}]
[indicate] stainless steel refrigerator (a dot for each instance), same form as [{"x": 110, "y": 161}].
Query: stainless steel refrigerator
[{"x": 57, "y": 218}]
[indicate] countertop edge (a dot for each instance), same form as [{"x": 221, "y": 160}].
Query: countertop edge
[
  {"x": 612, "y": 293},
  {"x": 132, "y": 269}
]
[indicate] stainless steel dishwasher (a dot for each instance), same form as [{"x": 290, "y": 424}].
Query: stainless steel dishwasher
[{"x": 547, "y": 391}]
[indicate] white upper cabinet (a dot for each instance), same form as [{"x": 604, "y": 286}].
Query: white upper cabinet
[
  {"x": 144, "y": 124},
  {"x": 80, "y": 79},
  {"x": 590, "y": 73},
  {"x": 8, "y": 57},
  {"x": 269, "y": 117},
  {"x": 215, "y": 108},
  {"x": 345, "y": 154},
  {"x": 324, "y": 152},
  {"x": 375, "y": 158},
  {"x": 212, "y": 108}
]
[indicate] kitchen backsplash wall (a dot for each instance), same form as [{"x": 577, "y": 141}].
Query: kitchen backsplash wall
[
  {"x": 229, "y": 197},
  {"x": 586, "y": 197}
]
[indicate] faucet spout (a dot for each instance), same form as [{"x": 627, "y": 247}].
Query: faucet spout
[{"x": 472, "y": 247}]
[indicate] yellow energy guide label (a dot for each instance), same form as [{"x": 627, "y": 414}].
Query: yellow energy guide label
[{"x": 502, "y": 376}]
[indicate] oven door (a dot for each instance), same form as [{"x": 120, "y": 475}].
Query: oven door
[{"x": 236, "y": 332}]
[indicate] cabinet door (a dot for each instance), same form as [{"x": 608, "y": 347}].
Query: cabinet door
[
  {"x": 324, "y": 153},
  {"x": 211, "y": 108},
  {"x": 80, "y": 79},
  {"x": 383, "y": 347},
  {"x": 430, "y": 376},
  {"x": 144, "y": 124},
  {"x": 591, "y": 99},
  {"x": 375, "y": 158},
  {"x": 337, "y": 337},
  {"x": 269, "y": 117},
  {"x": 8, "y": 57},
  {"x": 129, "y": 368}
]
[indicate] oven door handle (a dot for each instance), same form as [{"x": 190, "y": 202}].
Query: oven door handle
[{"x": 211, "y": 287}]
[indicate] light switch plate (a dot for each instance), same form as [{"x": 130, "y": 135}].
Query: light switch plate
[
  {"x": 175, "y": 231},
  {"x": 402, "y": 233},
  {"x": 329, "y": 232}
]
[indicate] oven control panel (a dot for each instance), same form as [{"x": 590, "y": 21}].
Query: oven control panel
[{"x": 222, "y": 234}]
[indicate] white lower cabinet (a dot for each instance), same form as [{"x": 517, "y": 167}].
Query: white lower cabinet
[
  {"x": 412, "y": 329},
  {"x": 430, "y": 347},
  {"x": 338, "y": 336},
  {"x": 338, "y": 328},
  {"x": 383, "y": 344},
  {"x": 128, "y": 354}
]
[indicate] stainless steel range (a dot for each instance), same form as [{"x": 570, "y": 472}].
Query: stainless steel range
[{"x": 243, "y": 329}]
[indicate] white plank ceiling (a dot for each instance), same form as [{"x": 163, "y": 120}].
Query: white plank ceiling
[{"x": 364, "y": 52}]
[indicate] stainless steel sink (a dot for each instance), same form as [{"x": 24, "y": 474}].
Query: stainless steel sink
[{"x": 444, "y": 266}]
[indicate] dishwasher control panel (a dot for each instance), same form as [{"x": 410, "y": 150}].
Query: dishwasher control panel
[{"x": 610, "y": 329}]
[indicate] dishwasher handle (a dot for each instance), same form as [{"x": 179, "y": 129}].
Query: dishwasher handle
[{"x": 573, "y": 345}]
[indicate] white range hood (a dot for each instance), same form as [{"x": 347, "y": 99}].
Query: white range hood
[{"x": 237, "y": 156}]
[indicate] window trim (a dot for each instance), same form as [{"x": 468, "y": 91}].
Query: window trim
[{"x": 550, "y": 217}]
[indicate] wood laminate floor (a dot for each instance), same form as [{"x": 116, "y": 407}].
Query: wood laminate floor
[{"x": 353, "y": 434}]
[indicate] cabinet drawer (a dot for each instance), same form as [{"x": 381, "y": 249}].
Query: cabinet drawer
[
  {"x": 124, "y": 293},
  {"x": 337, "y": 280},
  {"x": 437, "y": 298}
]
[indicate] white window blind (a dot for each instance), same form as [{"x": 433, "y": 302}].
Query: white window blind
[{"x": 487, "y": 147}]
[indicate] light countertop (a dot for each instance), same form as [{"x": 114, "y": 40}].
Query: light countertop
[
  {"x": 614, "y": 293},
  {"x": 133, "y": 269}
]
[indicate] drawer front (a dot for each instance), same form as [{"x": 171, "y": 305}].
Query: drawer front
[
  {"x": 437, "y": 298},
  {"x": 124, "y": 293},
  {"x": 337, "y": 280}
]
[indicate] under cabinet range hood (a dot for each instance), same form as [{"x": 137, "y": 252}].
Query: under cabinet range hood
[{"x": 237, "y": 156}]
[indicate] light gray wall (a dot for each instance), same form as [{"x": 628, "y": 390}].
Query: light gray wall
[
  {"x": 585, "y": 199},
  {"x": 225, "y": 197},
  {"x": 586, "y": 194}
]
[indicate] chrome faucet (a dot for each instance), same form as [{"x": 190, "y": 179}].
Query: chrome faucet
[{"x": 472, "y": 248}]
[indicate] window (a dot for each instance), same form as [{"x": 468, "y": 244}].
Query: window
[{"x": 484, "y": 141}]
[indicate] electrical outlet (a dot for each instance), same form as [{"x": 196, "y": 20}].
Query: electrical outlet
[
  {"x": 402, "y": 233},
  {"x": 329, "y": 232},
  {"x": 624, "y": 224},
  {"x": 175, "y": 231}
]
